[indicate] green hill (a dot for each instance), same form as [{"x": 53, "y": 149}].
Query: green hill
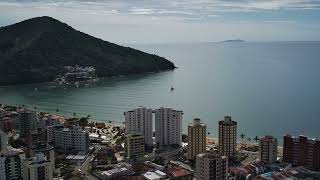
[{"x": 36, "y": 50}]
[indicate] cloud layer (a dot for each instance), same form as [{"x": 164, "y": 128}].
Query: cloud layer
[{"x": 176, "y": 20}]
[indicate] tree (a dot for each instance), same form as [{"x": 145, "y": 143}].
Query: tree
[
  {"x": 242, "y": 136},
  {"x": 256, "y": 138},
  {"x": 74, "y": 114},
  {"x": 184, "y": 138},
  {"x": 249, "y": 139},
  {"x": 83, "y": 121},
  {"x": 57, "y": 110}
]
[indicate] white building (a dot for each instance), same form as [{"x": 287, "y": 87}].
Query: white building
[
  {"x": 168, "y": 126},
  {"x": 37, "y": 168},
  {"x": 72, "y": 138},
  {"x": 139, "y": 120},
  {"x": 268, "y": 148},
  {"x": 156, "y": 175},
  {"x": 117, "y": 170}
]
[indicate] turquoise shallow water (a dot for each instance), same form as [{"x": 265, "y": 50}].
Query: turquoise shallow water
[{"x": 269, "y": 88}]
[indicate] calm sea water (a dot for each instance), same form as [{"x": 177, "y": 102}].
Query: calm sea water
[{"x": 269, "y": 88}]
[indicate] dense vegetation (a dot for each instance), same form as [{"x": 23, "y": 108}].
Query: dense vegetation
[{"x": 35, "y": 50}]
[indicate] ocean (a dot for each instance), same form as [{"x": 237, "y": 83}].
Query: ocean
[{"x": 267, "y": 87}]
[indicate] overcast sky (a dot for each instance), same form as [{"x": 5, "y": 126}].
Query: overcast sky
[{"x": 163, "y": 21}]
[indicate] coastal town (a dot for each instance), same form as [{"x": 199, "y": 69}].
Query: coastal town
[{"x": 147, "y": 145}]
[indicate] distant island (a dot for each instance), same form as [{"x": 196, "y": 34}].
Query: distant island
[
  {"x": 232, "y": 40},
  {"x": 42, "y": 49}
]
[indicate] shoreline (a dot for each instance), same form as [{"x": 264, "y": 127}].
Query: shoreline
[{"x": 38, "y": 110}]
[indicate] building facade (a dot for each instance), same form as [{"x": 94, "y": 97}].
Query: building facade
[
  {"x": 134, "y": 146},
  {"x": 139, "y": 120},
  {"x": 302, "y": 151},
  {"x": 3, "y": 141},
  {"x": 197, "y": 134},
  {"x": 211, "y": 166},
  {"x": 168, "y": 127},
  {"x": 227, "y": 137},
  {"x": 37, "y": 168},
  {"x": 72, "y": 138},
  {"x": 47, "y": 151},
  {"x": 11, "y": 164},
  {"x": 35, "y": 137},
  {"x": 268, "y": 148},
  {"x": 27, "y": 122}
]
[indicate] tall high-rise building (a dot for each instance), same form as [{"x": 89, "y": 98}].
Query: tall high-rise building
[
  {"x": 197, "y": 136},
  {"x": 211, "y": 166},
  {"x": 11, "y": 164},
  {"x": 134, "y": 146},
  {"x": 27, "y": 122},
  {"x": 37, "y": 168},
  {"x": 268, "y": 147},
  {"x": 72, "y": 138},
  {"x": 168, "y": 127},
  {"x": 302, "y": 151},
  {"x": 139, "y": 120},
  {"x": 227, "y": 137}
]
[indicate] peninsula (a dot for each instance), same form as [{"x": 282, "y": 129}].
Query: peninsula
[{"x": 39, "y": 49}]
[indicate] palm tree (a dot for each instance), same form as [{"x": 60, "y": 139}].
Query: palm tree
[
  {"x": 57, "y": 110},
  {"x": 256, "y": 139},
  {"x": 74, "y": 114},
  {"x": 242, "y": 136},
  {"x": 209, "y": 134},
  {"x": 35, "y": 108},
  {"x": 83, "y": 121},
  {"x": 249, "y": 139}
]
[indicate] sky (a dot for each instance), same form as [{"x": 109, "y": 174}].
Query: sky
[{"x": 172, "y": 21}]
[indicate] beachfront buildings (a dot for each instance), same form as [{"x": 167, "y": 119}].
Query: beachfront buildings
[
  {"x": 73, "y": 138},
  {"x": 227, "y": 137},
  {"x": 211, "y": 166},
  {"x": 27, "y": 122},
  {"x": 302, "y": 151},
  {"x": 139, "y": 120},
  {"x": 168, "y": 127},
  {"x": 197, "y": 133},
  {"x": 134, "y": 146},
  {"x": 37, "y": 168},
  {"x": 268, "y": 146}
]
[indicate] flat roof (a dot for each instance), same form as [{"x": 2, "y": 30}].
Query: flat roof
[{"x": 151, "y": 175}]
